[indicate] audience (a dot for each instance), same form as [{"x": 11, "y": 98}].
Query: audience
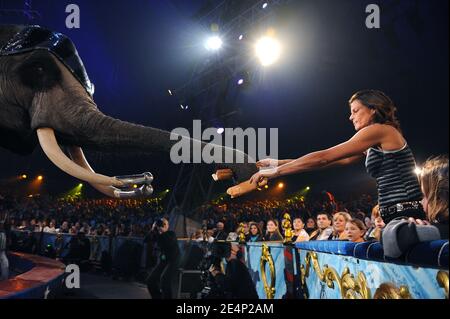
[
  {"x": 255, "y": 233},
  {"x": 299, "y": 232},
  {"x": 374, "y": 233},
  {"x": 355, "y": 230},
  {"x": 324, "y": 231},
  {"x": 400, "y": 235},
  {"x": 340, "y": 220},
  {"x": 310, "y": 225},
  {"x": 273, "y": 232}
]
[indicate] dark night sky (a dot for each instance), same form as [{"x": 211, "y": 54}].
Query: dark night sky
[{"x": 135, "y": 50}]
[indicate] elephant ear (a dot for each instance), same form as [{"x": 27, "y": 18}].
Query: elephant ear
[{"x": 39, "y": 72}]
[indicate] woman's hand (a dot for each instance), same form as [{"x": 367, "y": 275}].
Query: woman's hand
[
  {"x": 262, "y": 176},
  {"x": 267, "y": 162},
  {"x": 418, "y": 221}
]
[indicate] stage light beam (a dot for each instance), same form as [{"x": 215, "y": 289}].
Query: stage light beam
[
  {"x": 268, "y": 50},
  {"x": 213, "y": 43}
]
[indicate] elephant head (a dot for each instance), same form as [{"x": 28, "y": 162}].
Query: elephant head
[{"x": 46, "y": 97}]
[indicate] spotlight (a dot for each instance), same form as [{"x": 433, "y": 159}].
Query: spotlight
[
  {"x": 135, "y": 186},
  {"x": 268, "y": 50},
  {"x": 240, "y": 81},
  {"x": 167, "y": 190},
  {"x": 170, "y": 92},
  {"x": 213, "y": 43},
  {"x": 280, "y": 185},
  {"x": 40, "y": 178},
  {"x": 418, "y": 170},
  {"x": 241, "y": 37},
  {"x": 220, "y": 130},
  {"x": 80, "y": 185},
  {"x": 265, "y": 4},
  {"x": 23, "y": 176},
  {"x": 266, "y": 186},
  {"x": 308, "y": 188}
]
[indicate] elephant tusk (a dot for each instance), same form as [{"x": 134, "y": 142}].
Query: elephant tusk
[
  {"x": 51, "y": 148},
  {"x": 77, "y": 155}
]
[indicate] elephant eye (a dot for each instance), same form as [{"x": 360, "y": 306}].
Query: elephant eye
[{"x": 40, "y": 72}]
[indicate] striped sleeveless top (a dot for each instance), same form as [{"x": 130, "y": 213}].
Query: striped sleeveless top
[{"x": 394, "y": 171}]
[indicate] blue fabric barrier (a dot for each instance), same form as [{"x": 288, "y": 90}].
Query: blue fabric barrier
[{"x": 427, "y": 254}]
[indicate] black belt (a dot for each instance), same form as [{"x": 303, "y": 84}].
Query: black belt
[{"x": 397, "y": 208}]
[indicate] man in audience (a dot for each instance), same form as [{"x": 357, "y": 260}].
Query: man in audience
[{"x": 324, "y": 231}]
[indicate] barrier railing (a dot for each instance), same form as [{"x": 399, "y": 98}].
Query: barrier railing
[{"x": 319, "y": 269}]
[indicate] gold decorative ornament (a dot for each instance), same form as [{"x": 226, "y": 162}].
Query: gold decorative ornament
[
  {"x": 266, "y": 257},
  {"x": 349, "y": 286},
  {"x": 390, "y": 291},
  {"x": 442, "y": 279},
  {"x": 241, "y": 233},
  {"x": 287, "y": 227}
]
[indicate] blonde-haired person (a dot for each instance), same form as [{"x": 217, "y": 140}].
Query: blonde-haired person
[
  {"x": 375, "y": 232},
  {"x": 355, "y": 230},
  {"x": 401, "y": 235},
  {"x": 340, "y": 219}
]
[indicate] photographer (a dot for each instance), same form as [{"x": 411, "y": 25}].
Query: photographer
[
  {"x": 236, "y": 283},
  {"x": 162, "y": 279}
]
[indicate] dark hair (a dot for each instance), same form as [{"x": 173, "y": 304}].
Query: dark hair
[
  {"x": 257, "y": 227},
  {"x": 385, "y": 110},
  {"x": 326, "y": 214},
  {"x": 358, "y": 223}
]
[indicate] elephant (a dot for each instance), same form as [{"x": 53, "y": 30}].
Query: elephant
[{"x": 46, "y": 97}]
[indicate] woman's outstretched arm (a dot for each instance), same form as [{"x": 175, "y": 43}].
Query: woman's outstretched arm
[{"x": 342, "y": 153}]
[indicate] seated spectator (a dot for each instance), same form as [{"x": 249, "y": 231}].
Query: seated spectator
[
  {"x": 401, "y": 235},
  {"x": 375, "y": 232},
  {"x": 368, "y": 222},
  {"x": 51, "y": 228},
  {"x": 355, "y": 230},
  {"x": 324, "y": 231},
  {"x": 300, "y": 233},
  {"x": 255, "y": 233},
  {"x": 340, "y": 220},
  {"x": 273, "y": 232},
  {"x": 310, "y": 225}
]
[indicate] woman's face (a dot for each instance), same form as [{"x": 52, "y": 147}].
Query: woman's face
[
  {"x": 310, "y": 223},
  {"x": 368, "y": 222},
  {"x": 298, "y": 224},
  {"x": 271, "y": 227},
  {"x": 339, "y": 223},
  {"x": 379, "y": 223},
  {"x": 353, "y": 232},
  {"x": 254, "y": 230},
  {"x": 360, "y": 115}
]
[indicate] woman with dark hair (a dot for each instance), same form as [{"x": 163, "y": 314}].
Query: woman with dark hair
[
  {"x": 379, "y": 139},
  {"x": 300, "y": 233},
  {"x": 255, "y": 233}
]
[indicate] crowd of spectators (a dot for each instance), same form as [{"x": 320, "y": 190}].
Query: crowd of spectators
[{"x": 109, "y": 217}]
